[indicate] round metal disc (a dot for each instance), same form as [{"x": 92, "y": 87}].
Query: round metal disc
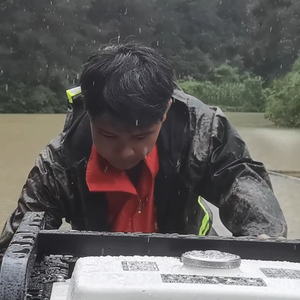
[{"x": 211, "y": 259}]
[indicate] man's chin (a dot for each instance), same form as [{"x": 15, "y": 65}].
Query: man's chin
[{"x": 124, "y": 167}]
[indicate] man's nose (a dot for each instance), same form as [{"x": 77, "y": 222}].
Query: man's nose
[{"x": 125, "y": 152}]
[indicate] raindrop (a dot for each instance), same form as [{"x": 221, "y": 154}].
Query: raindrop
[
  {"x": 140, "y": 206},
  {"x": 157, "y": 43},
  {"x": 136, "y": 122},
  {"x": 271, "y": 28},
  {"x": 140, "y": 30},
  {"x": 126, "y": 11},
  {"x": 105, "y": 169},
  {"x": 60, "y": 278},
  {"x": 6, "y": 87}
]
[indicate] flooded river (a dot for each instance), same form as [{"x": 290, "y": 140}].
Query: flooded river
[{"x": 23, "y": 136}]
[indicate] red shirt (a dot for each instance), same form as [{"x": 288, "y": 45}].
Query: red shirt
[{"x": 130, "y": 208}]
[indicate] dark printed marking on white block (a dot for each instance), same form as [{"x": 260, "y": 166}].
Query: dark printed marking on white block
[
  {"x": 281, "y": 273},
  {"x": 139, "y": 266},
  {"x": 198, "y": 279}
]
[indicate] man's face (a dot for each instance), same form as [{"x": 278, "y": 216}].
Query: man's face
[{"x": 121, "y": 145}]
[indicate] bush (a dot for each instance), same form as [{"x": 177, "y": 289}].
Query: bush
[
  {"x": 18, "y": 98},
  {"x": 224, "y": 74},
  {"x": 247, "y": 96},
  {"x": 254, "y": 95},
  {"x": 283, "y": 101}
]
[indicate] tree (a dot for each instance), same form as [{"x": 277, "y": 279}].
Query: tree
[
  {"x": 44, "y": 47},
  {"x": 43, "y": 44},
  {"x": 275, "y": 37}
]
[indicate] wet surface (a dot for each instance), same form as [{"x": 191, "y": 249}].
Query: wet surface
[{"x": 287, "y": 191}]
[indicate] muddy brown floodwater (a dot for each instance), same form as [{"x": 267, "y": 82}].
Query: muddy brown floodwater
[{"x": 23, "y": 136}]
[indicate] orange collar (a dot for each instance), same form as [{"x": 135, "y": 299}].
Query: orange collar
[{"x": 101, "y": 176}]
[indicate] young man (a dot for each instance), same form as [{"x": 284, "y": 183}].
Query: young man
[{"x": 136, "y": 153}]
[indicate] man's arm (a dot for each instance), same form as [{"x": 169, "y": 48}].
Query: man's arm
[
  {"x": 239, "y": 186},
  {"x": 45, "y": 190}
]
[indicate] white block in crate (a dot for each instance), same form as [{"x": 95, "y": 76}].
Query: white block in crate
[{"x": 144, "y": 278}]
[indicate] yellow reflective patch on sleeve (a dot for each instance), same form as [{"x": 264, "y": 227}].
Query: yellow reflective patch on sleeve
[{"x": 205, "y": 221}]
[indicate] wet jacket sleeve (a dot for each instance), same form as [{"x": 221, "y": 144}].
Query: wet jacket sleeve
[
  {"x": 45, "y": 190},
  {"x": 239, "y": 186}
]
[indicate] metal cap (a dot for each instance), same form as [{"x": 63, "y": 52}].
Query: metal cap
[{"x": 211, "y": 259}]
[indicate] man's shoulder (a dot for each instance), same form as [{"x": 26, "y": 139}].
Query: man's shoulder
[
  {"x": 78, "y": 141},
  {"x": 195, "y": 106}
]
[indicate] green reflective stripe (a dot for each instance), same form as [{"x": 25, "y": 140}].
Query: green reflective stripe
[
  {"x": 205, "y": 221},
  {"x": 73, "y": 92},
  {"x": 207, "y": 227}
]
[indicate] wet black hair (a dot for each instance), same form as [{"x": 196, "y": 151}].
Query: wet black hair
[{"x": 129, "y": 82}]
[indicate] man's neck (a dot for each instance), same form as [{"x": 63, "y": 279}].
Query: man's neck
[{"x": 134, "y": 173}]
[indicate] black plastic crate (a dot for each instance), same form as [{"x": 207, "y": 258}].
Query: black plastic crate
[{"x": 36, "y": 258}]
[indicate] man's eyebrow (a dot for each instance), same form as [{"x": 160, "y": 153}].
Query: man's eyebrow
[
  {"x": 105, "y": 130},
  {"x": 144, "y": 132}
]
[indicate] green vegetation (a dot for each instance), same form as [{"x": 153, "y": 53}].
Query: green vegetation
[
  {"x": 238, "y": 54},
  {"x": 246, "y": 93},
  {"x": 283, "y": 101},
  {"x": 229, "y": 90}
]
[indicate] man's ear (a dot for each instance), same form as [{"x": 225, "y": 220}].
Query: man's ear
[{"x": 165, "y": 115}]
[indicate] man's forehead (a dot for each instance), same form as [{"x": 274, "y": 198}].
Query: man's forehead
[{"x": 109, "y": 123}]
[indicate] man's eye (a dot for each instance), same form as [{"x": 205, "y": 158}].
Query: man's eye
[
  {"x": 107, "y": 135},
  {"x": 140, "y": 137}
]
